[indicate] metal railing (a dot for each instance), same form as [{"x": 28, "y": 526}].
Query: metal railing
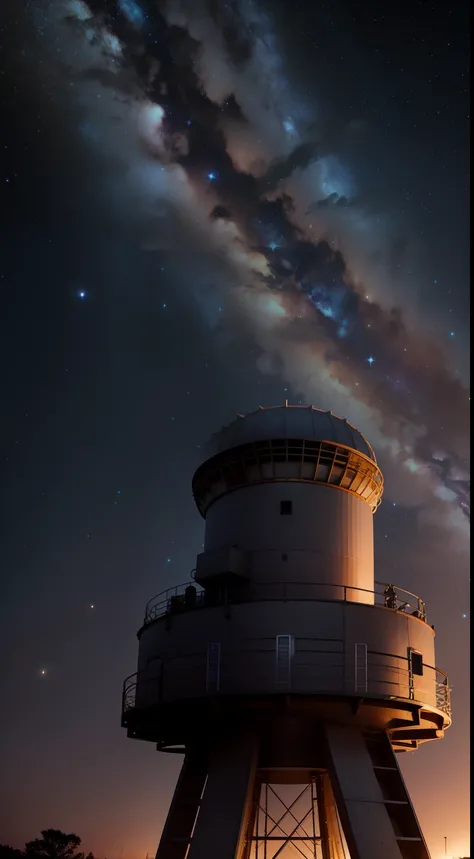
[
  {"x": 173, "y": 599},
  {"x": 189, "y": 596},
  {"x": 406, "y": 678},
  {"x": 140, "y": 691},
  {"x": 129, "y": 693},
  {"x": 443, "y": 693},
  {"x": 150, "y": 691}
]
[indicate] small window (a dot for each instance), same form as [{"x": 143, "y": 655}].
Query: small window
[
  {"x": 416, "y": 662},
  {"x": 286, "y": 508}
]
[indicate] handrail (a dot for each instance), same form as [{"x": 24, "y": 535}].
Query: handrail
[
  {"x": 177, "y": 598},
  {"x": 129, "y": 692},
  {"x": 134, "y": 682},
  {"x": 397, "y": 588},
  {"x": 442, "y": 687},
  {"x": 443, "y": 693},
  {"x": 174, "y": 590}
]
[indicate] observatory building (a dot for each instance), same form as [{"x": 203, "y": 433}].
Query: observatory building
[{"x": 286, "y": 675}]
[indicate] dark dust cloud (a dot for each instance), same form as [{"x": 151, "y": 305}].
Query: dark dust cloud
[{"x": 194, "y": 104}]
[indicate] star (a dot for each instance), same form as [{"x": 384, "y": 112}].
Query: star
[
  {"x": 82, "y": 294},
  {"x": 211, "y": 176},
  {"x": 370, "y": 360}
]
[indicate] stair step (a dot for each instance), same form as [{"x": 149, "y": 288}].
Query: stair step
[
  {"x": 395, "y": 802},
  {"x": 406, "y": 838}
]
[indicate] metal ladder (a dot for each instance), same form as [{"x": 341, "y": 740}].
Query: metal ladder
[
  {"x": 397, "y": 801},
  {"x": 377, "y": 816}
]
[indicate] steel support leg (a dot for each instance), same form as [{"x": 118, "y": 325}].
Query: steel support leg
[
  {"x": 183, "y": 809},
  {"x": 252, "y": 821},
  {"x": 364, "y": 816},
  {"x": 331, "y": 841},
  {"x": 226, "y": 806}
]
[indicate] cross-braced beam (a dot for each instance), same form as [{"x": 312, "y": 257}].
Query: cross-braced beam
[{"x": 292, "y": 828}]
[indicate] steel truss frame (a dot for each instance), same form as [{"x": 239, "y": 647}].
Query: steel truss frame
[{"x": 301, "y": 831}]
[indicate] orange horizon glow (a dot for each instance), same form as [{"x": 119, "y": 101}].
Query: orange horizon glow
[{"x": 458, "y": 847}]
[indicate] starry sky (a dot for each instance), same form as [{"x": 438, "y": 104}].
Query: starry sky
[{"x": 206, "y": 207}]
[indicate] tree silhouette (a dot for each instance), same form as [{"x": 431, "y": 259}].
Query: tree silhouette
[
  {"x": 53, "y": 845},
  {"x": 7, "y": 852}
]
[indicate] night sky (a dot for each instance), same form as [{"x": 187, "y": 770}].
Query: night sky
[{"x": 207, "y": 207}]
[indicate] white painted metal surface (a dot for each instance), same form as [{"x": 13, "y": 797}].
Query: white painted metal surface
[{"x": 289, "y": 422}]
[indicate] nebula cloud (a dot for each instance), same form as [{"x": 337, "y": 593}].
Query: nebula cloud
[{"x": 204, "y": 136}]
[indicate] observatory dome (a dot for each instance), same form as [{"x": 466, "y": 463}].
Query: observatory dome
[{"x": 285, "y": 422}]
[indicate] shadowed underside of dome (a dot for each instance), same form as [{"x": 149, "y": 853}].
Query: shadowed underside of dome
[{"x": 287, "y": 421}]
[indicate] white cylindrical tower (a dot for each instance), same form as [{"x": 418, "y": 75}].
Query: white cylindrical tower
[
  {"x": 284, "y": 661},
  {"x": 288, "y": 494}
]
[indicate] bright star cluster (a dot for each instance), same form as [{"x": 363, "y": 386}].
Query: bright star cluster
[{"x": 287, "y": 224}]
